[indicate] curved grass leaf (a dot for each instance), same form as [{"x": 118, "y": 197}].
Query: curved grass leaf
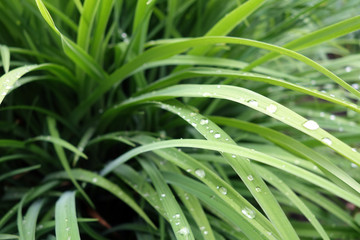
[
  {"x": 65, "y": 217},
  {"x": 252, "y": 100},
  {"x": 29, "y": 222}
]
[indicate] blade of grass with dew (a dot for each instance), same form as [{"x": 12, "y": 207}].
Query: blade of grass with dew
[
  {"x": 287, "y": 191},
  {"x": 191, "y": 203},
  {"x": 141, "y": 186},
  {"x": 240, "y": 151},
  {"x": 252, "y": 100},
  {"x": 224, "y": 211},
  {"x": 241, "y": 166},
  {"x": 200, "y": 171},
  {"x": 291, "y": 145},
  {"x": 65, "y": 217},
  {"x": 8, "y": 79},
  {"x": 176, "y": 217},
  {"x": 175, "y": 78},
  {"x": 30, "y": 219},
  {"x": 97, "y": 180},
  {"x": 325, "y": 34},
  {"x": 63, "y": 159},
  {"x": 173, "y": 48},
  {"x": 5, "y": 57},
  {"x": 18, "y": 171}
]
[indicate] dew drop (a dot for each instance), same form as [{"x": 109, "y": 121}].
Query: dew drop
[
  {"x": 184, "y": 231},
  {"x": 258, "y": 189},
  {"x": 217, "y": 135},
  {"x": 250, "y": 178},
  {"x": 194, "y": 124},
  {"x": 163, "y": 195},
  {"x": 348, "y": 69},
  {"x": 332, "y": 117},
  {"x": 355, "y": 85},
  {"x": 326, "y": 141},
  {"x": 148, "y": 2},
  {"x": 248, "y": 212},
  {"x": 94, "y": 180},
  {"x": 200, "y": 173},
  {"x": 233, "y": 156},
  {"x": 3, "y": 93},
  {"x": 271, "y": 108},
  {"x": 253, "y": 103},
  {"x": 311, "y": 125},
  {"x": 206, "y": 232},
  {"x": 353, "y": 165},
  {"x": 222, "y": 190},
  {"x": 204, "y": 121}
]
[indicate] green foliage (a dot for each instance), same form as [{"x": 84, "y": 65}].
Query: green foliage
[{"x": 168, "y": 119}]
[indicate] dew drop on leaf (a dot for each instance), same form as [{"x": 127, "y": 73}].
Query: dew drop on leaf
[
  {"x": 311, "y": 125},
  {"x": 217, "y": 135},
  {"x": 271, "y": 108},
  {"x": 248, "y": 212},
  {"x": 250, "y": 177},
  {"x": 327, "y": 141},
  {"x": 253, "y": 103},
  {"x": 204, "y": 121},
  {"x": 200, "y": 173}
]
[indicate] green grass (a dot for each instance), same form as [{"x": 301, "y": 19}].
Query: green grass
[{"x": 168, "y": 119}]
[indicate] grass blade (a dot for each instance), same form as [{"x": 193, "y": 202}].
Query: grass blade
[{"x": 65, "y": 217}]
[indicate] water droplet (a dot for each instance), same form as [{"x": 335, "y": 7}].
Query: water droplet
[
  {"x": 253, "y": 103},
  {"x": 354, "y": 149},
  {"x": 248, "y": 212},
  {"x": 206, "y": 232},
  {"x": 148, "y": 2},
  {"x": 222, "y": 190},
  {"x": 311, "y": 125},
  {"x": 332, "y": 117},
  {"x": 3, "y": 93},
  {"x": 163, "y": 195},
  {"x": 188, "y": 170},
  {"x": 355, "y": 85},
  {"x": 326, "y": 141},
  {"x": 348, "y": 69},
  {"x": 258, "y": 189},
  {"x": 322, "y": 114},
  {"x": 177, "y": 215},
  {"x": 184, "y": 231},
  {"x": 206, "y": 95},
  {"x": 67, "y": 229},
  {"x": 204, "y": 121},
  {"x": 218, "y": 86},
  {"x": 217, "y": 135},
  {"x": 194, "y": 124},
  {"x": 233, "y": 156},
  {"x": 271, "y": 108},
  {"x": 94, "y": 180},
  {"x": 250, "y": 177},
  {"x": 200, "y": 173},
  {"x": 353, "y": 165},
  {"x": 8, "y": 87}
]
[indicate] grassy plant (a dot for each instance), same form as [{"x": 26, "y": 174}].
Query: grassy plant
[{"x": 191, "y": 119}]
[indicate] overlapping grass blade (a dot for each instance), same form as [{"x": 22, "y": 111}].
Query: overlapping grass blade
[
  {"x": 18, "y": 171},
  {"x": 175, "y": 214}
]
